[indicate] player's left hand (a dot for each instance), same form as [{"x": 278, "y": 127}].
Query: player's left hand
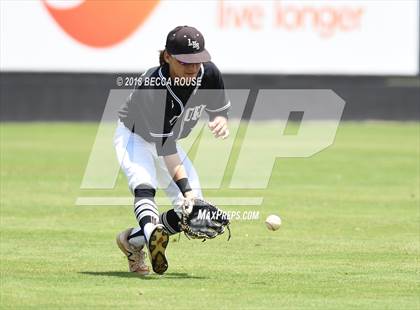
[{"x": 219, "y": 127}]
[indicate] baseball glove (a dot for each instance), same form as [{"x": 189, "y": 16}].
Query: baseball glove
[{"x": 205, "y": 221}]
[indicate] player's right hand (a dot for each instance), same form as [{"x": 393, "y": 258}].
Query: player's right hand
[
  {"x": 185, "y": 206},
  {"x": 188, "y": 202}
]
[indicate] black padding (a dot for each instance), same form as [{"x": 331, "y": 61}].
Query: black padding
[{"x": 170, "y": 220}]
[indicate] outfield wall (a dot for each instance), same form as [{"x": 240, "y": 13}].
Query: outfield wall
[
  {"x": 62, "y": 66},
  {"x": 346, "y": 37},
  {"x": 82, "y": 97}
]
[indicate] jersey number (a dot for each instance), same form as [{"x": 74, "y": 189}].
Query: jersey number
[{"x": 194, "y": 113}]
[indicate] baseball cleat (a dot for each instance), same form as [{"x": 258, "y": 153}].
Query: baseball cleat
[
  {"x": 157, "y": 244},
  {"x": 135, "y": 255}
]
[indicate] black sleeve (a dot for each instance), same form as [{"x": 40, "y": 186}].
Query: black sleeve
[
  {"x": 220, "y": 104},
  {"x": 162, "y": 131}
]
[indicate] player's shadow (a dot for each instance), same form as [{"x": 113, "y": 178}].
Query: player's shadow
[{"x": 152, "y": 276}]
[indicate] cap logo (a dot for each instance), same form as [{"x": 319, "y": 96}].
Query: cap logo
[{"x": 194, "y": 44}]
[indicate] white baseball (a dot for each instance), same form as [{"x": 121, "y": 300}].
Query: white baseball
[{"x": 273, "y": 222}]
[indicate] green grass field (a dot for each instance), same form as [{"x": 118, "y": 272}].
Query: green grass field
[{"x": 349, "y": 239}]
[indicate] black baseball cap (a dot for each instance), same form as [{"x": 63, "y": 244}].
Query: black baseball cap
[{"x": 186, "y": 44}]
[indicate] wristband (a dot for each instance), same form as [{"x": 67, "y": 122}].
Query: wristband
[{"x": 183, "y": 185}]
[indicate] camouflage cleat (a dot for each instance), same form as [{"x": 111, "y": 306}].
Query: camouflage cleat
[
  {"x": 157, "y": 244},
  {"x": 135, "y": 256}
]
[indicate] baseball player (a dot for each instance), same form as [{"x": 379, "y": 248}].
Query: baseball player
[{"x": 151, "y": 121}]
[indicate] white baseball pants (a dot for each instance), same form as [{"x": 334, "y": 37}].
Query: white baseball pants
[{"x": 141, "y": 164}]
